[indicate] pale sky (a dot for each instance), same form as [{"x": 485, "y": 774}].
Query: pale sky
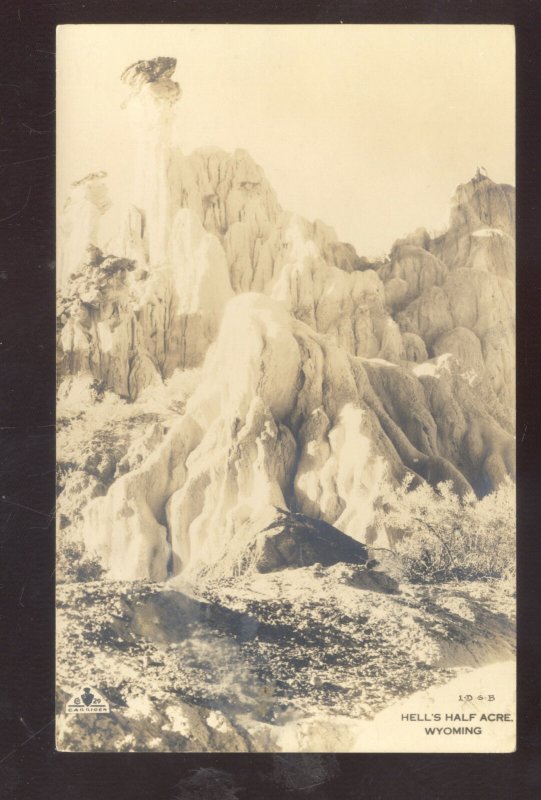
[{"x": 368, "y": 128}]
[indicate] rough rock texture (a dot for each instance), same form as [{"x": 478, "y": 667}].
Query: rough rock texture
[
  {"x": 287, "y": 661},
  {"x": 464, "y": 307},
  {"x": 129, "y": 330},
  {"x": 416, "y": 306},
  {"x": 261, "y": 248},
  {"x": 456, "y": 291},
  {"x": 284, "y": 417},
  {"x": 294, "y": 540},
  {"x": 323, "y": 376},
  {"x": 239, "y": 395},
  {"x": 320, "y": 280}
]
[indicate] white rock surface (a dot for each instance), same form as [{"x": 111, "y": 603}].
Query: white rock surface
[
  {"x": 324, "y": 376},
  {"x": 463, "y": 280},
  {"x": 283, "y": 417}
]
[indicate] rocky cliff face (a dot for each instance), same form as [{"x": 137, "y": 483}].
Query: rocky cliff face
[
  {"x": 322, "y": 377},
  {"x": 456, "y": 291}
]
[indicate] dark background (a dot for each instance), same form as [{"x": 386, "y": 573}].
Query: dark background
[{"x": 29, "y": 765}]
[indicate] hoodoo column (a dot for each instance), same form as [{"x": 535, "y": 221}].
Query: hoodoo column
[{"x": 151, "y": 109}]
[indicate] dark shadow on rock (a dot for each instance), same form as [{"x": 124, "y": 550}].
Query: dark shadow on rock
[
  {"x": 295, "y": 540},
  {"x": 373, "y": 580},
  {"x": 167, "y": 617},
  {"x": 488, "y": 638},
  {"x": 171, "y": 617}
]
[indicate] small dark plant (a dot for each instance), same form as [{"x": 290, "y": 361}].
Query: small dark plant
[{"x": 74, "y": 566}]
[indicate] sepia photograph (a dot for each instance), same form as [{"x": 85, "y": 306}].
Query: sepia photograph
[{"x": 285, "y": 372}]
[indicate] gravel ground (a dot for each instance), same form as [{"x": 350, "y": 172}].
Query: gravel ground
[{"x": 224, "y": 666}]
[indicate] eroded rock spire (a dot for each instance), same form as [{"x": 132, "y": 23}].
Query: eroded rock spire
[
  {"x": 156, "y": 74},
  {"x": 150, "y": 102}
]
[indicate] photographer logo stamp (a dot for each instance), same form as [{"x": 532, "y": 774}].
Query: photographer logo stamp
[{"x": 88, "y": 701}]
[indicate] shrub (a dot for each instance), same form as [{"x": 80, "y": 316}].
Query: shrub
[
  {"x": 439, "y": 536},
  {"x": 73, "y": 565}
]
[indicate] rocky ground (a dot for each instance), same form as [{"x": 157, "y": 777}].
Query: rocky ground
[{"x": 285, "y": 661}]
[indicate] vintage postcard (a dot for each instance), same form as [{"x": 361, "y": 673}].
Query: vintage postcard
[{"x": 286, "y": 388}]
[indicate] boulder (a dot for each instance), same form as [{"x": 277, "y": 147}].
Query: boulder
[{"x": 294, "y": 540}]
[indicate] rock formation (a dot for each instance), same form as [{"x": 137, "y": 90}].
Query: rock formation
[
  {"x": 323, "y": 376},
  {"x": 295, "y": 540},
  {"x": 456, "y": 291}
]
